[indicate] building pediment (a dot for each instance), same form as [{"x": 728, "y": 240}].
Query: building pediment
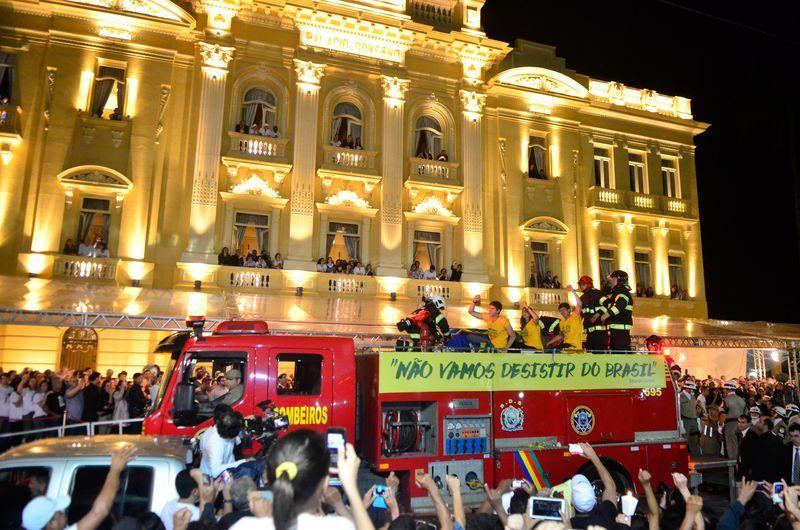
[
  {"x": 160, "y": 9},
  {"x": 541, "y": 79}
]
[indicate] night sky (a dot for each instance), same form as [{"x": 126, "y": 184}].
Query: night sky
[{"x": 742, "y": 80}]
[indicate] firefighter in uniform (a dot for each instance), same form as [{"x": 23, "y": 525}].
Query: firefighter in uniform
[
  {"x": 688, "y": 405},
  {"x": 426, "y": 326},
  {"x": 591, "y": 311},
  {"x": 619, "y": 319}
]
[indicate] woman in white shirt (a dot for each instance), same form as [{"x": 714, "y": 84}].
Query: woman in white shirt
[
  {"x": 277, "y": 263},
  {"x": 321, "y": 265},
  {"x": 297, "y": 469}
]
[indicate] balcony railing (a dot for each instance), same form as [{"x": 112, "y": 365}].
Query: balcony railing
[
  {"x": 85, "y": 268},
  {"x": 629, "y": 200},
  {"x": 642, "y": 201},
  {"x": 547, "y": 297},
  {"x": 344, "y": 283},
  {"x": 250, "y": 278},
  {"x": 675, "y": 205},
  {"x": 419, "y": 288},
  {"x": 261, "y": 147},
  {"x": 434, "y": 169},
  {"x": 341, "y": 158}
]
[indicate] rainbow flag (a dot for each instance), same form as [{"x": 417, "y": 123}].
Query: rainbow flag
[{"x": 532, "y": 468}]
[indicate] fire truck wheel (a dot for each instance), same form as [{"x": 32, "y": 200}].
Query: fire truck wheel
[{"x": 618, "y": 472}]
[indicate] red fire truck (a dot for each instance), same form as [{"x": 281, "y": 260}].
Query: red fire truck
[{"x": 480, "y": 436}]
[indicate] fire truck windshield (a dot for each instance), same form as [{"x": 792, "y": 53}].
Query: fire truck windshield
[{"x": 165, "y": 379}]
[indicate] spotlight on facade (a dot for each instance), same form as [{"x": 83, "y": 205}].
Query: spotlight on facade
[
  {"x": 299, "y": 291},
  {"x": 198, "y": 284},
  {"x": 393, "y": 296}
]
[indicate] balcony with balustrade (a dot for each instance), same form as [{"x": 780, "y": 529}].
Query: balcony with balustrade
[
  {"x": 613, "y": 199},
  {"x": 256, "y": 147},
  {"x": 83, "y": 268},
  {"x": 340, "y": 162}
]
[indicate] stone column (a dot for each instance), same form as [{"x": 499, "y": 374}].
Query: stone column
[
  {"x": 391, "y": 217},
  {"x": 625, "y": 247},
  {"x": 205, "y": 181},
  {"x": 660, "y": 258},
  {"x": 472, "y": 156},
  {"x": 301, "y": 220}
]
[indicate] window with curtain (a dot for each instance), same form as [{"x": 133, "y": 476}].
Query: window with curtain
[
  {"x": 642, "y": 266},
  {"x": 602, "y": 167},
  {"x": 429, "y": 137},
  {"x": 346, "y": 122},
  {"x": 537, "y": 158},
  {"x": 343, "y": 241},
  {"x": 675, "y": 271},
  {"x": 7, "y": 63},
  {"x": 669, "y": 177},
  {"x": 250, "y": 232},
  {"x": 428, "y": 249},
  {"x": 608, "y": 261},
  {"x": 108, "y": 95},
  {"x": 95, "y": 220},
  {"x": 259, "y": 108},
  {"x": 636, "y": 171},
  {"x": 541, "y": 263}
]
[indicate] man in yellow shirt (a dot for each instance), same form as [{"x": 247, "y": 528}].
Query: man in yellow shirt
[
  {"x": 571, "y": 325},
  {"x": 500, "y": 332},
  {"x": 530, "y": 328}
]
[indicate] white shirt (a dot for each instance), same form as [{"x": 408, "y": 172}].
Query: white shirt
[
  {"x": 86, "y": 250},
  {"x": 175, "y": 506},
  {"x": 359, "y": 270},
  {"x": 14, "y": 410},
  {"x": 5, "y": 395},
  {"x": 217, "y": 453},
  {"x": 795, "y": 450},
  {"x": 702, "y": 400},
  {"x": 305, "y": 521},
  {"x": 429, "y": 275},
  {"x": 321, "y": 267}
]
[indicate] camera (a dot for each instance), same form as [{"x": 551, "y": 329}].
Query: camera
[{"x": 264, "y": 429}]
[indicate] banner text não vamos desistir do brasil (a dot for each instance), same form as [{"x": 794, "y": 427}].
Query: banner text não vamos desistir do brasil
[{"x": 484, "y": 372}]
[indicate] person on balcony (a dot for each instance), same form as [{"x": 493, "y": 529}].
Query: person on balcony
[
  {"x": 251, "y": 260},
  {"x": 337, "y": 141},
  {"x": 241, "y": 128},
  {"x": 429, "y": 274},
  {"x": 442, "y": 156},
  {"x": 349, "y": 142},
  {"x": 224, "y": 257},
  {"x": 357, "y": 145},
  {"x": 86, "y": 249},
  {"x": 456, "y": 269},
  {"x": 556, "y": 283},
  {"x": 264, "y": 130},
  {"x": 321, "y": 265},
  {"x": 101, "y": 251},
  {"x": 116, "y": 115},
  {"x": 70, "y": 248},
  {"x": 442, "y": 275},
  {"x": 277, "y": 263},
  {"x": 368, "y": 270},
  {"x": 273, "y": 133},
  {"x": 547, "y": 282},
  {"x": 359, "y": 269},
  {"x": 329, "y": 265}
]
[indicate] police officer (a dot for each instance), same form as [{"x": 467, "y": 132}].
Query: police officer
[
  {"x": 619, "y": 319},
  {"x": 779, "y": 426},
  {"x": 735, "y": 406},
  {"x": 591, "y": 311},
  {"x": 688, "y": 404}
]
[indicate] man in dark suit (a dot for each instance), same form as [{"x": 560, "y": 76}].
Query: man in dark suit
[
  {"x": 137, "y": 402},
  {"x": 92, "y": 398},
  {"x": 747, "y": 442},
  {"x": 765, "y": 454},
  {"x": 792, "y": 456}
]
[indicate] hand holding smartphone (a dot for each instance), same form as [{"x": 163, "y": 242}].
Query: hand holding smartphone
[
  {"x": 335, "y": 441},
  {"x": 380, "y": 501},
  {"x": 546, "y": 508},
  {"x": 575, "y": 449}
]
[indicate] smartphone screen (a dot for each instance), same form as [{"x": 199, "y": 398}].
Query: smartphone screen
[
  {"x": 546, "y": 508},
  {"x": 335, "y": 440},
  {"x": 517, "y": 484},
  {"x": 379, "y": 501},
  {"x": 777, "y": 488}
]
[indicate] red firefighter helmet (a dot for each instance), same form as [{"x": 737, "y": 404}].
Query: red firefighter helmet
[{"x": 587, "y": 280}]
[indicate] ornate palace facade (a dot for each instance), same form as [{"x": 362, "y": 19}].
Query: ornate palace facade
[{"x": 167, "y": 131}]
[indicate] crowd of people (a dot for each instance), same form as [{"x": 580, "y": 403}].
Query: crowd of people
[
  {"x": 347, "y": 142},
  {"x": 546, "y": 281},
  {"x": 31, "y": 400},
  {"x": 254, "y": 129},
  {"x": 89, "y": 248},
  {"x": 252, "y": 259},
  {"x": 342, "y": 266},
  {"x": 417, "y": 272},
  {"x": 427, "y": 155}
]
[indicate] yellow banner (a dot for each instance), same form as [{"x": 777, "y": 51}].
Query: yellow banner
[{"x": 484, "y": 372}]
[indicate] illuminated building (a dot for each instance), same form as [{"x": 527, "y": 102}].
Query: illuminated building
[{"x": 122, "y": 123}]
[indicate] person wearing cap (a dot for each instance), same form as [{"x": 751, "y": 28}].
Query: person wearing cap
[
  {"x": 793, "y": 412},
  {"x": 755, "y": 415},
  {"x": 587, "y": 511},
  {"x": 688, "y": 405},
  {"x": 779, "y": 423},
  {"x": 44, "y": 513},
  {"x": 591, "y": 311},
  {"x": 734, "y": 407},
  {"x": 235, "y": 387}
]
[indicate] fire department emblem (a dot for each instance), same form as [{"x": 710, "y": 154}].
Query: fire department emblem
[
  {"x": 582, "y": 420},
  {"x": 512, "y": 418}
]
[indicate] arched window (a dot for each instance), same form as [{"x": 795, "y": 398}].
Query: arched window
[
  {"x": 259, "y": 109},
  {"x": 429, "y": 137},
  {"x": 346, "y": 123}
]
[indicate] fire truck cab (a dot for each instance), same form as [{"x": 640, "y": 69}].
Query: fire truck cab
[{"x": 480, "y": 436}]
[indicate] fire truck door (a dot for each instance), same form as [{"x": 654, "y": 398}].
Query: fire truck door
[
  {"x": 300, "y": 385},
  {"x": 599, "y": 417}
]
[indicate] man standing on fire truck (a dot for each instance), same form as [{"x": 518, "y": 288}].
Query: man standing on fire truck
[
  {"x": 619, "y": 318},
  {"x": 591, "y": 311}
]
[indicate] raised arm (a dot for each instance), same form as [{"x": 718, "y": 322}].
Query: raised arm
[
  {"x": 425, "y": 481},
  {"x": 609, "y": 486},
  {"x": 348, "y": 474},
  {"x": 653, "y": 515},
  {"x": 512, "y": 335},
  {"x": 471, "y": 310},
  {"x": 578, "y": 303},
  {"x": 454, "y": 485}
]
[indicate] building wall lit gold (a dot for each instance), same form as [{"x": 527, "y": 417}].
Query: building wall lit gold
[{"x": 169, "y": 178}]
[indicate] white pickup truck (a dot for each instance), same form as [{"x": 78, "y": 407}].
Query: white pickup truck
[{"x": 77, "y": 466}]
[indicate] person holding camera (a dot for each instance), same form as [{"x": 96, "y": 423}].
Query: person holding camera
[{"x": 218, "y": 442}]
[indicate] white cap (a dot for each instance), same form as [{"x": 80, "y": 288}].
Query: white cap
[
  {"x": 730, "y": 385},
  {"x": 755, "y": 410},
  {"x": 791, "y": 407},
  {"x": 39, "y": 511},
  {"x": 690, "y": 385},
  {"x": 780, "y": 411},
  {"x": 583, "y": 494}
]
